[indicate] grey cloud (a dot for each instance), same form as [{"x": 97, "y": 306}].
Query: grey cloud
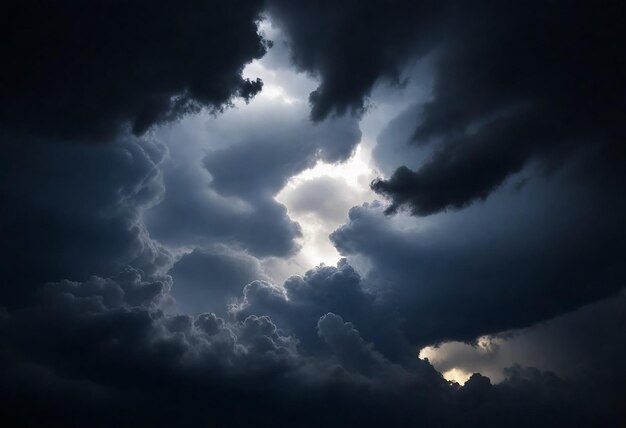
[
  {"x": 301, "y": 301},
  {"x": 584, "y": 345},
  {"x": 101, "y": 345},
  {"x": 74, "y": 211},
  {"x": 362, "y": 43},
  {"x": 509, "y": 90},
  {"x": 207, "y": 280},
  {"x": 222, "y": 191},
  {"x": 347, "y": 344},
  {"x": 110, "y": 355},
  {"x": 526, "y": 255},
  {"x": 326, "y": 198},
  {"x": 394, "y": 145}
]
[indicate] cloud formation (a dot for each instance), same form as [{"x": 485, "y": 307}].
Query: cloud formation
[
  {"x": 84, "y": 72},
  {"x": 513, "y": 83},
  {"x": 362, "y": 43},
  {"x": 134, "y": 289},
  {"x": 72, "y": 211},
  {"x": 112, "y": 356},
  {"x": 525, "y": 255},
  {"x": 223, "y": 172}
]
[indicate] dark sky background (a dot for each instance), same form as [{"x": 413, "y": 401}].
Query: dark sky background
[{"x": 312, "y": 213}]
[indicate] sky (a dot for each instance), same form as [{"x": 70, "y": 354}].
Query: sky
[{"x": 312, "y": 214}]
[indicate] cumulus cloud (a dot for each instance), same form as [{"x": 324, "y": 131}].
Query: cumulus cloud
[
  {"x": 207, "y": 280},
  {"x": 113, "y": 356},
  {"x": 302, "y": 300}
]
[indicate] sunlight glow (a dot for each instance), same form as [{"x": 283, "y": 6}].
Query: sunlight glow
[
  {"x": 356, "y": 173},
  {"x": 457, "y": 375}
]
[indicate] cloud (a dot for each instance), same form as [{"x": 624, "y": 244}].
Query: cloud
[
  {"x": 73, "y": 211},
  {"x": 346, "y": 343},
  {"x": 298, "y": 304},
  {"x": 208, "y": 280},
  {"x": 509, "y": 86},
  {"x": 510, "y": 89},
  {"x": 586, "y": 344},
  {"x": 222, "y": 174},
  {"x": 327, "y": 199},
  {"x": 362, "y": 44},
  {"x": 524, "y": 256},
  {"x": 90, "y": 327},
  {"x": 103, "y": 352},
  {"x": 83, "y": 72}
]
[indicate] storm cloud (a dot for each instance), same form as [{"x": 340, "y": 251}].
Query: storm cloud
[
  {"x": 514, "y": 83},
  {"x": 111, "y": 356},
  {"x": 78, "y": 71},
  {"x": 156, "y": 160}
]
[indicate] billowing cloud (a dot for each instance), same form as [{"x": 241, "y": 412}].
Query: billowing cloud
[
  {"x": 302, "y": 300},
  {"x": 134, "y": 281},
  {"x": 78, "y": 71},
  {"x": 362, "y": 43},
  {"x": 113, "y": 356},
  {"x": 527, "y": 254},
  {"x": 223, "y": 172},
  {"x": 207, "y": 280},
  {"x": 511, "y": 88},
  {"x": 71, "y": 211}
]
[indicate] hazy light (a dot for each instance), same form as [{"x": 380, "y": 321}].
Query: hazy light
[
  {"x": 356, "y": 173},
  {"x": 457, "y": 375}
]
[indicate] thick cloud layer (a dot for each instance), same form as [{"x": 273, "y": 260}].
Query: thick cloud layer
[
  {"x": 362, "y": 42},
  {"x": 223, "y": 172},
  {"x": 113, "y": 357},
  {"x": 514, "y": 83},
  {"x": 584, "y": 344},
  {"x": 71, "y": 211},
  {"x": 133, "y": 283},
  {"x": 84, "y": 71},
  {"x": 527, "y": 254}
]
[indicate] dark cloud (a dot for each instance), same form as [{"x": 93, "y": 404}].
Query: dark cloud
[
  {"x": 221, "y": 182},
  {"x": 71, "y": 211},
  {"x": 208, "y": 280},
  {"x": 394, "y": 143},
  {"x": 584, "y": 345},
  {"x": 362, "y": 43},
  {"x": 346, "y": 343},
  {"x": 78, "y": 71},
  {"x": 525, "y": 255},
  {"x": 91, "y": 334},
  {"x": 298, "y": 305},
  {"x": 103, "y": 352},
  {"x": 514, "y": 83}
]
